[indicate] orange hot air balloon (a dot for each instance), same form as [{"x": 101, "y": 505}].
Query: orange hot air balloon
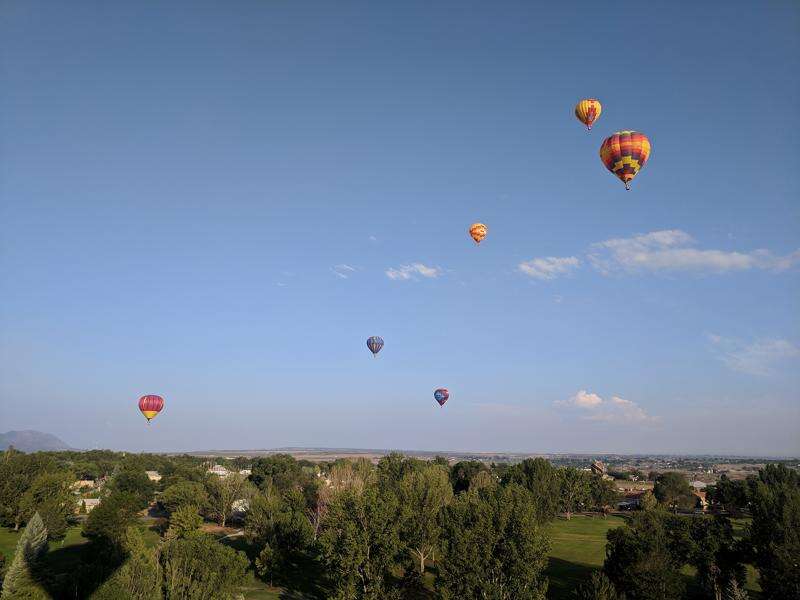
[
  {"x": 150, "y": 406},
  {"x": 588, "y": 111},
  {"x": 478, "y": 231},
  {"x": 624, "y": 154}
]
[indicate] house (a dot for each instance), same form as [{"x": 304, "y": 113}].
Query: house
[
  {"x": 698, "y": 485},
  {"x": 88, "y": 503},
  {"x": 240, "y": 507},
  {"x": 219, "y": 470},
  {"x": 598, "y": 468},
  {"x": 153, "y": 475},
  {"x": 245, "y": 472},
  {"x": 81, "y": 484}
]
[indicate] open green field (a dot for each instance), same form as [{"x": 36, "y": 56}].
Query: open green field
[{"x": 578, "y": 547}]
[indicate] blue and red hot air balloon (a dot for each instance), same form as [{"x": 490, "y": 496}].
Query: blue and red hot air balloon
[
  {"x": 441, "y": 395},
  {"x": 375, "y": 343}
]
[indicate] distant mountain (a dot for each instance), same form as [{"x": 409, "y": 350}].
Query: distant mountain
[{"x": 31, "y": 441}]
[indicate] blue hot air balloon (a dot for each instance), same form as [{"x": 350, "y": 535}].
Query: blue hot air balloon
[
  {"x": 441, "y": 395},
  {"x": 375, "y": 344}
]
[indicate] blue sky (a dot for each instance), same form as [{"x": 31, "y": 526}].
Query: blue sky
[{"x": 220, "y": 202}]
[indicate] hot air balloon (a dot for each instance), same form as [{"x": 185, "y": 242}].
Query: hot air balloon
[
  {"x": 624, "y": 154},
  {"x": 441, "y": 395},
  {"x": 588, "y": 111},
  {"x": 150, "y": 406},
  {"x": 478, "y": 232},
  {"x": 375, "y": 344}
]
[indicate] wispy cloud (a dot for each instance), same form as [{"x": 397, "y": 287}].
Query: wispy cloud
[
  {"x": 673, "y": 250},
  {"x": 549, "y": 267},
  {"x": 372, "y": 238},
  {"x": 406, "y": 272},
  {"x": 343, "y": 271},
  {"x": 760, "y": 357},
  {"x": 616, "y": 410}
]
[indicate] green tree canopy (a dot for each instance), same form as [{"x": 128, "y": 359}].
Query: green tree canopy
[
  {"x": 541, "y": 480},
  {"x": 673, "y": 491},
  {"x": 20, "y": 581},
  {"x": 198, "y": 567},
  {"x": 493, "y": 546}
]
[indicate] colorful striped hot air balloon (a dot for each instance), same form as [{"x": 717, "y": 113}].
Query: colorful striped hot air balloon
[
  {"x": 588, "y": 111},
  {"x": 624, "y": 154},
  {"x": 150, "y": 406},
  {"x": 375, "y": 343},
  {"x": 478, "y": 232},
  {"x": 441, "y": 396}
]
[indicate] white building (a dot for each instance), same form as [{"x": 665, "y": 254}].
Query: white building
[
  {"x": 153, "y": 475},
  {"x": 219, "y": 470}
]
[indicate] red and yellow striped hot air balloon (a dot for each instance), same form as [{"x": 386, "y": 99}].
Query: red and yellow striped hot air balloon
[
  {"x": 624, "y": 154},
  {"x": 150, "y": 406},
  {"x": 478, "y": 232},
  {"x": 588, "y": 111}
]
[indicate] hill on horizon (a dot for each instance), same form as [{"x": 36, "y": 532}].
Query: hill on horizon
[{"x": 32, "y": 441}]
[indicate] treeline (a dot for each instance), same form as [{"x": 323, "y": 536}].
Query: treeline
[{"x": 404, "y": 528}]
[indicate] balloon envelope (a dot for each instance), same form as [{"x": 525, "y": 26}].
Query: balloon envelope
[
  {"x": 375, "y": 344},
  {"x": 150, "y": 406},
  {"x": 478, "y": 232},
  {"x": 624, "y": 154},
  {"x": 588, "y": 111},
  {"x": 441, "y": 395}
]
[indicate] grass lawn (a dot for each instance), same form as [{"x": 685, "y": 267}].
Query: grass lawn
[
  {"x": 9, "y": 537},
  {"x": 578, "y": 547}
]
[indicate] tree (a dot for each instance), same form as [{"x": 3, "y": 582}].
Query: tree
[
  {"x": 775, "y": 530},
  {"x": 134, "y": 481},
  {"x": 642, "y": 559},
  {"x": 50, "y": 495},
  {"x": 462, "y": 473},
  {"x": 648, "y": 501},
  {"x": 541, "y": 480},
  {"x": 574, "y": 490},
  {"x": 184, "y": 522},
  {"x": 597, "y": 587},
  {"x": 186, "y": 566},
  {"x": 715, "y": 555},
  {"x": 672, "y": 490},
  {"x": 223, "y": 492},
  {"x": 603, "y": 494},
  {"x": 184, "y": 493},
  {"x": 281, "y": 471},
  {"x": 359, "y": 543},
  {"x": 728, "y": 495},
  {"x": 493, "y": 546},
  {"x": 20, "y": 580},
  {"x": 139, "y": 577},
  {"x": 423, "y": 494},
  {"x": 109, "y": 521}
]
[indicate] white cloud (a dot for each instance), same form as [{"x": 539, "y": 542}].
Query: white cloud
[
  {"x": 343, "y": 271},
  {"x": 672, "y": 250},
  {"x": 616, "y": 410},
  {"x": 757, "y": 358},
  {"x": 548, "y": 267},
  {"x": 406, "y": 272},
  {"x": 372, "y": 238}
]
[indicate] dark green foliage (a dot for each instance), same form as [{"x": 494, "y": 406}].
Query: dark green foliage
[
  {"x": 108, "y": 523},
  {"x": 359, "y": 544},
  {"x": 597, "y": 587},
  {"x": 139, "y": 577},
  {"x": 728, "y": 495},
  {"x": 493, "y": 546},
  {"x": 644, "y": 559},
  {"x": 198, "y": 568},
  {"x": 184, "y": 521},
  {"x": 462, "y": 473},
  {"x": 603, "y": 494},
  {"x": 280, "y": 471},
  {"x": 673, "y": 491},
  {"x": 20, "y": 582},
  {"x": 775, "y": 531},
  {"x": 715, "y": 554},
  {"x": 184, "y": 493},
  {"x": 542, "y": 481},
  {"x": 134, "y": 481},
  {"x": 574, "y": 490}
]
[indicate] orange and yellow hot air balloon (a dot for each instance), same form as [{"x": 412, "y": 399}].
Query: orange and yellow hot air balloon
[
  {"x": 588, "y": 111},
  {"x": 624, "y": 154},
  {"x": 478, "y": 232},
  {"x": 150, "y": 406}
]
